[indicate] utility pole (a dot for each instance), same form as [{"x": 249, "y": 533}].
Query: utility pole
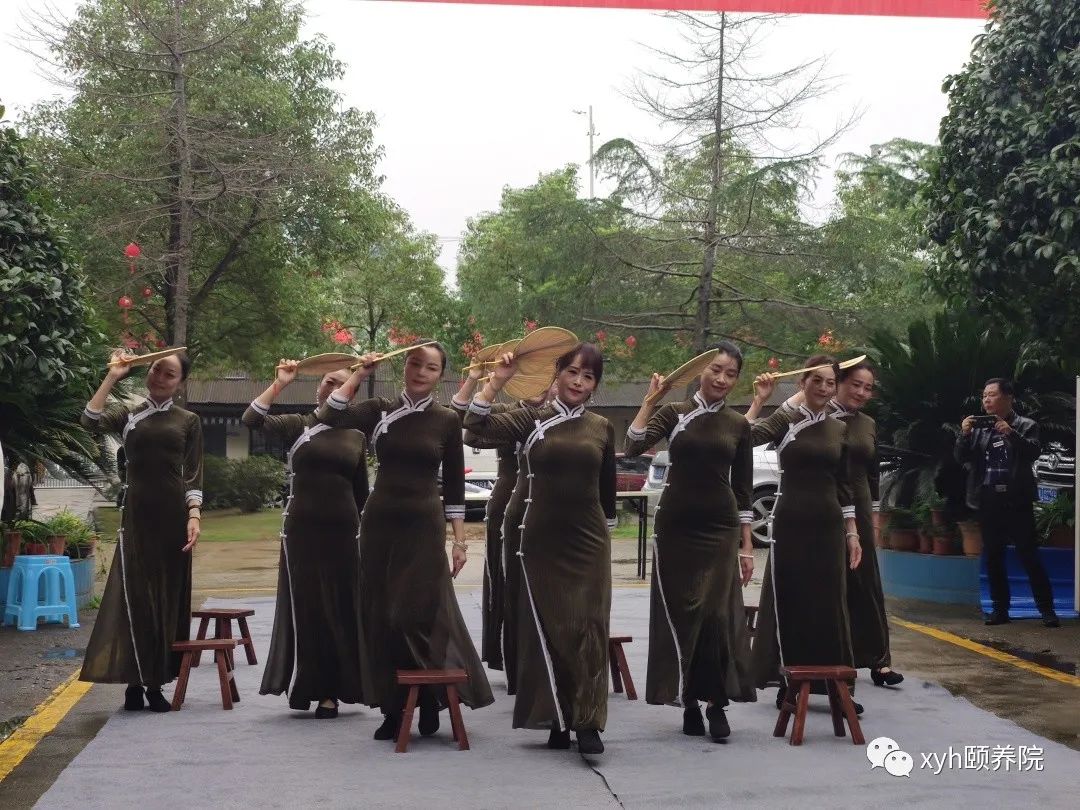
[{"x": 592, "y": 134}]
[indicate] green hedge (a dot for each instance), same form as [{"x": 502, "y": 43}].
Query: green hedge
[{"x": 247, "y": 484}]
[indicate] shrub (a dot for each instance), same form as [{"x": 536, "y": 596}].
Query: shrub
[
  {"x": 217, "y": 482},
  {"x": 256, "y": 481}
]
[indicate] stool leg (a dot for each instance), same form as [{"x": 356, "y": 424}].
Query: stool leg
[
  {"x": 406, "y": 721},
  {"x": 72, "y": 598},
  {"x": 800, "y": 714},
  {"x": 613, "y": 662},
  {"x": 224, "y": 630},
  {"x": 223, "y": 679},
  {"x": 180, "y": 692},
  {"x": 849, "y": 712},
  {"x": 245, "y": 635},
  {"x": 834, "y": 708},
  {"x": 787, "y": 708},
  {"x": 232, "y": 685},
  {"x": 624, "y": 670},
  {"x": 200, "y": 635},
  {"x": 456, "y": 723}
]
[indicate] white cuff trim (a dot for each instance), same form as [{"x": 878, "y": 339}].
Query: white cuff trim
[
  {"x": 337, "y": 402},
  {"x": 193, "y": 496},
  {"x": 787, "y": 406},
  {"x": 479, "y": 406},
  {"x": 876, "y": 506},
  {"x": 458, "y": 405},
  {"x": 635, "y": 433},
  {"x": 454, "y": 511},
  {"x": 90, "y": 413},
  {"x": 612, "y": 523},
  {"x": 746, "y": 517},
  {"x": 255, "y": 406},
  {"x": 849, "y": 511}
]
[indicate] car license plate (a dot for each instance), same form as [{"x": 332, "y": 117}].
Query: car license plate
[{"x": 1048, "y": 494}]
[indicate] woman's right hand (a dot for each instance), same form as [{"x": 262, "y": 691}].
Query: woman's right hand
[
  {"x": 764, "y": 385},
  {"x": 286, "y": 372},
  {"x": 656, "y": 385},
  {"x": 506, "y": 369},
  {"x": 122, "y": 359},
  {"x": 366, "y": 365}
]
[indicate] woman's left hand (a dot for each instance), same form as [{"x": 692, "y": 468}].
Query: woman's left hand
[
  {"x": 193, "y": 529},
  {"x": 746, "y": 568},
  {"x": 457, "y": 561},
  {"x": 854, "y": 552}
]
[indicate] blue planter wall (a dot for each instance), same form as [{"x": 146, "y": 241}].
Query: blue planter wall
[
  {"x": 1059, "y": 564},
  {"x": 950, "y": 580}
]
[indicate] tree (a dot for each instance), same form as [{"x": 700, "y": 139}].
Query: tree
[
  {"x": 716, "y": 205},
  {"x": 210, "y": 134},
  {"x": 1005, "y": 197},
  {"x": 545, "y": 257},
  {"x": 46, "y": 337}
]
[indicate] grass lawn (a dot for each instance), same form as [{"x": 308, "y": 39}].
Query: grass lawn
[{"x": 218, "y": 526}]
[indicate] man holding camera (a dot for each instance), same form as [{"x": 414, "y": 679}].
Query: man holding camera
[{"x": 999, "y": 450}]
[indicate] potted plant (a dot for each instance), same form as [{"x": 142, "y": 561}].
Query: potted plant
[
  {"x": 903, "y": 530},
  {"x": 921, "y": 508},
  {"x": 936, "y": 505},
  {"x": 33, "y": 534},
  {"x": 943, "y": 541},
  {"x": 1055, "y": 522},
  {"x": 64, "y": 528},
  {"x": 12, "y": 544},
  {"x": 971, "y": 537}
]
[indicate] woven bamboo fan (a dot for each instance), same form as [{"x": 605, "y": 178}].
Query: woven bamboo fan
[
  {"x": 319, "y": 364},
  {"x": 685, "y": 373},
  {"x": 538, "y": 351},
  {"x": 528, "y": 386},
  {"x": 854, "y": 361},
  {"x": 396, "y": 352},
  {"x": 148, "y": 359},
  {"x": 490, "y": 354}
]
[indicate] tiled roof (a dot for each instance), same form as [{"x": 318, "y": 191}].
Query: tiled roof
[{"x": 239, "y": 389}]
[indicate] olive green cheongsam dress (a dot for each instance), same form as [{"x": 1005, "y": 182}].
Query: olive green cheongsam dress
[
  {"x": 147, "y": 601},
  {"x": 699, "y": 648},
  {"x": 315, "y": 648},
  {"x": 410, "y": 618},
  {"x": 565, "y": 560}
]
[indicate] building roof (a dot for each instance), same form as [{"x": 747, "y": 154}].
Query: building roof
[{"x": 239, "y": 389}]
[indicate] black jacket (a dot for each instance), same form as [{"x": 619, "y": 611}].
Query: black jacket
[{"x": 1024, "y": 449}]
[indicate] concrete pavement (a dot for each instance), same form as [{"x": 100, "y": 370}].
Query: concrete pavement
[{"x": 261, "y": 754}]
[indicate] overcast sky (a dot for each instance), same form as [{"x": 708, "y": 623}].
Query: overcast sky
[{"x": 474, "y": 98}]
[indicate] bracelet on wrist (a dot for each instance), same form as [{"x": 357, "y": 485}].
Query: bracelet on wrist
[
  {"x": 851, "y": 534},
  {"x": 747, "y": 556}
]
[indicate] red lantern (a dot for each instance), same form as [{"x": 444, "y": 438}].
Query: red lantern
[
  {"x": 631, "y": 341},
  {"x": 147, "y": 292},
  {"x": 133, "y": 251},
  {"x": 826, "y": 338},
  {"x": 601, "y": 336},
  {"x": 125, "y": 302},
  {"x": 774, "y": 363},
  {"x": 530, "y": 326},
  {"x": 343, "y": 336}
]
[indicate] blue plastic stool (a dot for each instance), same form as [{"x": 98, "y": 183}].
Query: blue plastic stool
[{"x": 28, "y": 601}]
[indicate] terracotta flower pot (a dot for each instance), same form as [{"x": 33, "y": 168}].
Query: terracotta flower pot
[
  {"x": 926, "y": 543},
  {"x": 971, "y": 535},
  {"x": 12, "y": 546},
  {"x": 36, "y": 548},
  {"x": 57, "y": 543},
  {"x": 904, "y": 540},
  {"x": 943, "y": 546},
  {"x": 1061, "y": 537},
  {"x": 937, "y": 518}
]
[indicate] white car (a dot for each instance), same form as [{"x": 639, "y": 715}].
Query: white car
[{"x": 766, "y": 483}]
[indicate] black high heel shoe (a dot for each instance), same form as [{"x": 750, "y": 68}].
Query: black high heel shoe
[
  {"x": 326, "y": 712},
  {"x": 156, "y": 702},
  {"x": 389, "y": 728},
  {"x": 429, "y": 719},
  {"x": 890, "y": 678},
  {"x": 692, "y": 723},
  {"x": 588, "y": 742},
  {"x": 133, "y": 699},
  {"x": 718, "y": 724},
  {"x": 558, "y": 740}
]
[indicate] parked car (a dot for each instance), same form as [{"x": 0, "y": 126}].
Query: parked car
[
  {"x": 481, "y": 467},
  {"x": 1055, "y": 472},
  {"x": 631, "y": 473},
  {"x": 766, "y": 483},
  {"x": 476, "y": 499}
]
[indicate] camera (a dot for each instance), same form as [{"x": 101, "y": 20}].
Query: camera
[{"x": 984, "y": 421}]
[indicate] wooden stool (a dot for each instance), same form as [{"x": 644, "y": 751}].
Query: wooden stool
[
  {"x": 836, "y": 678},
  {"x": 414, "y": 679},
  {"x": 221, "y": 647},
  {"x": 620, "y": 670},
  {"x": 223, "y": 629},
  {"x": 751, "y": 613}
]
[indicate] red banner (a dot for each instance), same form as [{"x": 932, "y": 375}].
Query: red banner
[{"x": 971, "y": 9}]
